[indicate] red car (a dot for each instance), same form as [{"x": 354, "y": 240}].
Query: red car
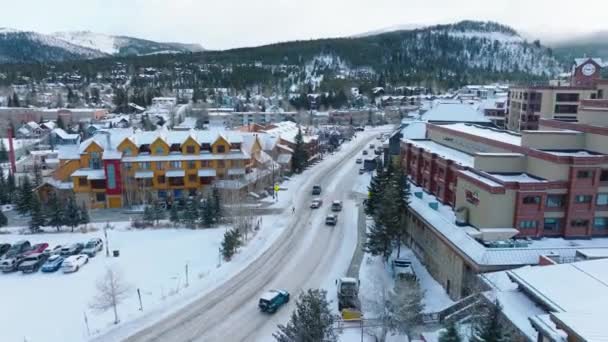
[{"x": 37, "y": 248}]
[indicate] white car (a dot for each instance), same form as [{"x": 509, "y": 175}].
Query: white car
[{"x": 73, "y": 263}]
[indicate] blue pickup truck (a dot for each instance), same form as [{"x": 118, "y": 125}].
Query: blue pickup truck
[{"x": 272, "y": 300}]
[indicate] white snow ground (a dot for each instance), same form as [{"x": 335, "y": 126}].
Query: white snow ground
[{"x": 51, "y": 307}]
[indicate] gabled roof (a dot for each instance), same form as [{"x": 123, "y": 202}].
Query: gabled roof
[
  {"x": 454, "y": 112},
  {"x": 580, "y": 61}
]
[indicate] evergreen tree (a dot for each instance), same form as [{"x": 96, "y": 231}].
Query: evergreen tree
[
  {"x": 378, "y": 241},
  {"x": 4, "y": 193},
  {"x": 16, "y": 100},
  {"x": 54, "y": 211},
  {"x": 374, "y": 192},
  {"x": 24, "y": 199},
  {"x": 11, "y": 187},
  {"x": 450, "y": 334},
  {"x": 300, "y": 155},
  {"x": 60, "y": 123},
  {"x": 489, "y": 328},
  {"x": 218, "y": 213},
  {"x": 37, "y": 217},
  {"x": 3, "y": 219},
  {"x": 3, "y": 152},
  {"x": 174, "y": 214},
  {"x": 84, "y": 215},
  {"x": 37, "y": 175},
  {"x": 231, "y": 243},
  {"x": 148, "y": 215},
  {"x": 191, "y": 214},
  {"x": 158, "y": 212},
  {"x": 72, "y": 213},
  {"x": 311, "y": 321},
  {"x": 208, "y": 215}
]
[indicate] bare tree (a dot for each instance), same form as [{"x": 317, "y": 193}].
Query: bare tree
[
  {"x": 111, "y": 291},
  {"x": 243, "y": 216},
  {"x": 405, "y": 306}
]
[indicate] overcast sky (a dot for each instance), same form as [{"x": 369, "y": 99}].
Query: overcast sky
[{"x": 220, "y": 24}]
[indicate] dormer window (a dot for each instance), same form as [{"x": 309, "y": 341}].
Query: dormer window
[
  {"x": 160, "y": 150},
  {"x": 221, "y": 149},
  {"x": 235, "y": 146}
]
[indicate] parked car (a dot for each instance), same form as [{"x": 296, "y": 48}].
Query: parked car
[
  {"x": 32, "y": 262},
  {"x": 4, "y": 247},
  {"x": 361, "y": 171},
  {"x": 10, "y": 264},
  {"x": 331, "y": 220},
  {"x": 364, "y": 152},
  {"x": 17, "y": 249},
  {"x": 73, "y": 249},
  {"x": 372, "y": 146},
  {"x": 74, "y": 263},
  {"x": 316, "y": 190},
  {"x": 53, "y": 263},
  {"x": 272, "y": 300},
  {"x": 37, "y": 248},
  {"x": 359, "y": 161},
  {"x": 402, "y": 268},
  {"x": 316, "y": 203},
  {"x": 53, "y": 251},
  {"x": 336, "y": 206},
  {"x": 92, "y": 247}
]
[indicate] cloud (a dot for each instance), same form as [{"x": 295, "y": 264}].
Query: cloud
[{"x": 234, "y": 23}]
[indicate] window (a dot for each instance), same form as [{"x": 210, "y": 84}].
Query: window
[
  {"x": 552, "y": 224},
  {"x": 582, "y": 174},
  {"x": 160, "y": 150},
  {"x": 190, "y": 149},
  {"x": 144, "y": 165},
  {"x": 100, "y": 197},
  {"x": 565, "y": 97},
  {"x": 111, "y": 176},
  {"x": 206, "y": 147},
  {"x": 94, "y": 161},
  {"x": 527, "y": 224},
  {"x": 604, "y": 176},
  {"x": 579, "y": 223},
  {"x": 221, "y": 149},
  {"x": 191, "y": 164},
  {"x": 127, "y": 151},
  {"x": 583, "y": 198},
  {"x": 600, "y": 223},
  {"x": 128, "y": 166},
  {"x": 205, "y": 163},
  {"x": 221, "y": 164},
  {"x": 531, "y": 200},
  {"x": 82, "y": 181},
  {"x": 600, "y": 94},
  {"x": 176, "y": 164},
  {"x": 160, "y": 179},
  {"x": 566, "y": 109},
  {"x": 192, "y": 178},
  {"x": 601, "y": 199},
  {"x": 160, "y": 165},
  {"x": 556, "y": 201}
]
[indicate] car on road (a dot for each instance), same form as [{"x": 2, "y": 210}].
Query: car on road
[
  {"x": 402, "y": 268},
  {"x": 359, "y": 161},
  {"x": 32, "y": 262},
  {"x": 361, "y": 171},
  {"x": 37, "y": 248},
  {"x": 52, "y": 264},
  {"x": 272, "y": 300},
  {"x": 364, "y": 152},
  {"x": 316, "y": 203},
  {"x": 92, "y": 247},
  {"x": 316, "y": 190},
  {"x": 74, "y": 263},
  {"x": 72, "y": 249},
  {"x": 336, "y": 206},
  {"x": 331, "y": 220},
  {"x": 4, "y": 247},
  {"x": 372, "y": 146}
]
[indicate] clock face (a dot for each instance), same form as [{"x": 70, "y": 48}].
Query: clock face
[{"x": 588, "y": 69}]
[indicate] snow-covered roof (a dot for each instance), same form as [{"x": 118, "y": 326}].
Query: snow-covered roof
[
  {"x": 68, "y": 152},
  {"x": 284, "y": 158},
  {"x": 91, "y": 174},
  {"x": 236, "y": 172},
  {"x": 65, "y": 135},
  {"x": 111, "y": 154},
  {"x": 453, "y": 112},
  {"x": 486, "y": 132},
  {"x": 414, "y": 130},
  {"x": 445, "y": 152},
  {"x": 207, "y": 173},
  {"x": 517, "y": 177},
  {"x": 144, "y": 174},
  {"x": 175, "y": 173},
  {"x": 580, "y": 61}
]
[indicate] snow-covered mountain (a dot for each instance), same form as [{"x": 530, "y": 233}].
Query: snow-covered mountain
[{"x": 25, "y": 46}]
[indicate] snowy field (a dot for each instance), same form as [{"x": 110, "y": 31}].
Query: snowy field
[{"x": 152, "y": 260}]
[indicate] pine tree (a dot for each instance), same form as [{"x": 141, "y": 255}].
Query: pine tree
[
  {"x": 24, "y": 200},
  {"x": 218, "y": 213},
  {"x": 374, "y": 192},
  {"x": 3, "y": 219},
  {"x": 300, "y": 155},
  {"x": 191, "y": 214},
  {"x": 37, "y": 175},
  {"x": 148, "y": 215},
  {"x": 11, "y": 187},
  {"x": 4, "y": 193},
  {"x": 489, "y": 327},
  {"x": 230, "y": 244},
  {"x": 84, "y": 215},
  {"x": 37, "y": 218},
  {"x": 450, "y": 334},
  {"x": 72, "y": 213},
  {"x": 3, "y": 152},
  {"x": 16, "y": 100},
  {"x": 174, "y": 214},
  {"x": 208, "y": 215},
  {"x": 158, "y": 213},
  {"x": 55, "y": 213},
  {"x": 378, "y": 241},
  {"x": 311, "y": 321}
]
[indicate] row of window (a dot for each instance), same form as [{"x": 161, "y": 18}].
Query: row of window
[
  {"x": 190, "y": 149},
  {"x": 555, "y": 224},
  {"x": 190, "y": 164},
  {"x": 559, "y": 200}
]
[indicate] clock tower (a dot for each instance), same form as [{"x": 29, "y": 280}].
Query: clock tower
[{"x": 586, "y": 71}]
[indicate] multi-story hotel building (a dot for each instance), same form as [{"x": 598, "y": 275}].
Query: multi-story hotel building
[{"x": 529, "y": 104}]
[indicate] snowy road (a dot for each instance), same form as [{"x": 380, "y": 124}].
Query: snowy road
[{"x": 308, "y": 254}]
